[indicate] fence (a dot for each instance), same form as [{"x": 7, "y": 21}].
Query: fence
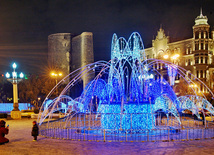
[{"x": 85, "y": 128}]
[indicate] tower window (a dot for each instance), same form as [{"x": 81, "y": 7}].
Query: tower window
[
  {"x": 201, "y": 60},
  {"x": 196, "y": 47},
  {"x": 189, "y": 61},
  {"x": 205, "y": 60},
  {"x": 196, "y": 60},
  {"x": 206, "y": 46},
  {"x": 201, "y": 74},
  {"x": 196, "y": 35}
]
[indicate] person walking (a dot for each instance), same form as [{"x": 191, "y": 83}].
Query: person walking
[
  {"x": 3, "y": 132},
  {"x": 203, "y": 118},
  {"x": 35, "y": 131}
]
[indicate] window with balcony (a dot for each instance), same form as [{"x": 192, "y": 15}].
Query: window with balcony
[
  {"x": 205, "y": 60},
  {"x": 206, "y": 46},
  {"x": 189, "y": 62},
  {"x": 201, "y": 74},
  {"x": 196, "y": 35},
  {"x": 196, "y": 46},
  {"x": 202, "y": 46},
  {"x": 201, "y": 60},
  {"x": 196, "y": 60}
]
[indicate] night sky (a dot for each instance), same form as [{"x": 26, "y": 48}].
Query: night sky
[{"x": 26, "y": 24}]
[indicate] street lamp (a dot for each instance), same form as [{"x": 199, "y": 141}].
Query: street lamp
[
  {"x": 15, "y": 113},
  {"x": 56, "y": 75},
  {"x": 173, "y": 57},
  {"x": 166, "y": 56}
]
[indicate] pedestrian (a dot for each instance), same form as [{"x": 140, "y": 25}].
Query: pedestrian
[
  {"x": 3, "y": 131},
  {"x": 203, "y": 118},
  {"x": 35, "y": 131}
]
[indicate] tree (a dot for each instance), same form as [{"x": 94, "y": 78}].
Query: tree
[
  {"x": 33, "y": 88},
  {"x": 6, "y": 90},
  {"x": 183, "y": 88}
]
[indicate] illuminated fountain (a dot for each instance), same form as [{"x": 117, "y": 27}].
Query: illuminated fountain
[{"x": 128, "y": 94}]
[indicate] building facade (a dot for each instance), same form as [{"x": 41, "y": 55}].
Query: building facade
[
  {"x": 194, "y": 54},
  {"x": 68, "y": 52}
]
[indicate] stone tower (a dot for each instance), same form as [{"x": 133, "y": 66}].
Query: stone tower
[
  {"x": 82, "y": 53},
  {"x": 202, "y": 56},
  {"x": 201, "y": 32},
  {"x": 68, "y": 52},
  {"x": 59, "y": 49}
]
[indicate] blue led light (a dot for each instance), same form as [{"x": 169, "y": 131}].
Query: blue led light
[
  {"x": 133, "y": 91},
  {"x": 134, "y": 116}
]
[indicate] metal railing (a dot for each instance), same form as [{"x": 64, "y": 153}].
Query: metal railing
[{"x": 84, "y": 127}]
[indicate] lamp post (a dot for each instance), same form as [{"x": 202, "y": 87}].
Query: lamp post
[
  {"x": 173, "y": 57},
  {"x": 15, "y": 113},
  {"x": 56, "y": 75}
]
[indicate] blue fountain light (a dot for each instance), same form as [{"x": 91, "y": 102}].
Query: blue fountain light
[
  {"x": 128, "y": 98},
  {"x": 134, "y": 116},
  {"x": 132, "y": 91}
]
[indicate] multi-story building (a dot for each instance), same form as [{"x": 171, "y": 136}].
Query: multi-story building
[
  {"x": 194, "y": 54},
  {"x": 68, "y": 52}
]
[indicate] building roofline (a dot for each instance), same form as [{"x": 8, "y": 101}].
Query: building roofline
[{"x": 185, "y": 40}]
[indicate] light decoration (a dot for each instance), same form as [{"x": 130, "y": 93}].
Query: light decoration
[
  {"x": 7, "y": 107},
  {"x": 94, "y": 88},
  {"x": 134, "y": 116},
  {"x": 194, "y": 103},
  {"x": 184, "y": 103},
  {"x": 172, "y": 72},
  {"x": 164, "y": 103},
  {"x": 133, "y": 92}
]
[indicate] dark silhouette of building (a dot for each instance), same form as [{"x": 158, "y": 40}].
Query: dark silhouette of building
[{"x": 68, "y": 52}]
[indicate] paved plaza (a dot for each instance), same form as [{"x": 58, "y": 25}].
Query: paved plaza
[{"x": 21, "y": 144}]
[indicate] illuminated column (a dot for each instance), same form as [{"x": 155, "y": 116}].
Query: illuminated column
[
  {"x": 15, "y": 113},
  {"x": 15, "y": 96}
]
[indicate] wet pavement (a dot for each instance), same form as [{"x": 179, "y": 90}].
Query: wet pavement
[{"x": 21, "y": 144}]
